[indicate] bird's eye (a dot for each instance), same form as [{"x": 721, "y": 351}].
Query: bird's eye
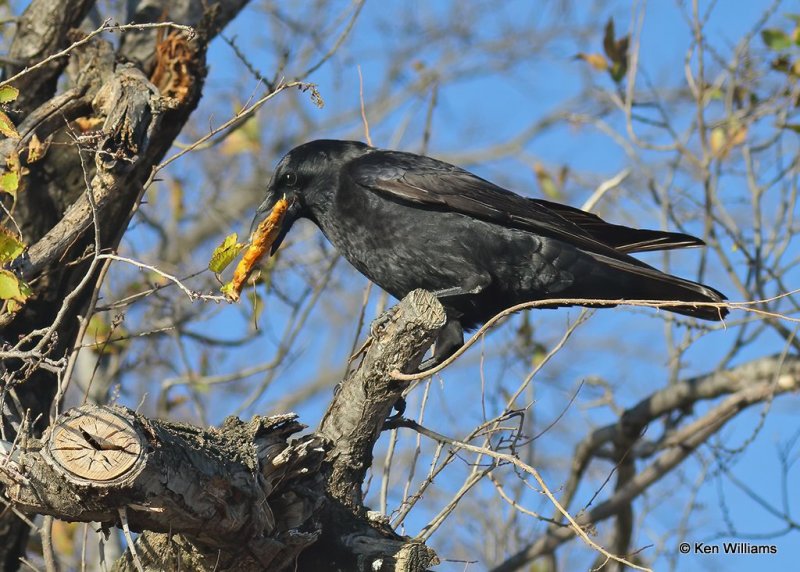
[{"x": 289, "y": 179}]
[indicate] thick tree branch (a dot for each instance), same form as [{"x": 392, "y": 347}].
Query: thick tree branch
[
  {"x": 139, "y": 126},
  {"x": 354, "y": 419},
  {"x": 748, "y": 384},
  {"x": 243, "y": 496},
  {"x": 42, "y": 30},
  {"x": 242, "y": 487}
]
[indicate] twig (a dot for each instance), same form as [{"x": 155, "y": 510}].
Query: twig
[
  {"x": 123, "y": 518},
  {"x": 363, "y": 107},
  {"x": 339, "y": 41},
  {"x": 105, "y": 27},
  {"x": 48, "y": 555},
  {"x": 192, "y": 294},
  {"x": 507, "y": 458},
  {"x": 604, "y": 187},
  {"x": 233, "y": 121},
  {"x": 744, "y": 306}
]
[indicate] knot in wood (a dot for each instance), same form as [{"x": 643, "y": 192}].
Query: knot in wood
[{"x": 95, "y": 444}]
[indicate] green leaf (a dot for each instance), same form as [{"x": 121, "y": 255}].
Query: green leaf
[
  {"x": 225, "y": 253},
  {"x": 618, "y": 71},
  {"x": 8, "y": 93},
  {"x": 546, "y": 181},
  {"x": 9, "y": 183},
  {"x": 617, "y": 52},
  {"x": 10, "y": 245},
  {"x": 793, "y": 127},
  {"x": 7, "y": 127},
  {"x": 715, "y": 93},
  {"x": 229, "y": 292},
  {"x": 106, "y": 338},
  {"x": 776, "y": 40},
  {"x": 12, "y": 288},
  {"x": 608, "y": 40}
]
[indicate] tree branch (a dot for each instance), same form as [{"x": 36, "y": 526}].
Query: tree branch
[
  {"x": 242, "y": 487},
  {"x": 354, "y": 419}
]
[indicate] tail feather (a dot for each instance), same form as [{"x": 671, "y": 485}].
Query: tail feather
[
  {"x": 622, "y": 238},
  {"x": 648, "y": 283}
]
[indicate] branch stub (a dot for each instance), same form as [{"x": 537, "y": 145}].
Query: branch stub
[{"x": 96, "y": 446}]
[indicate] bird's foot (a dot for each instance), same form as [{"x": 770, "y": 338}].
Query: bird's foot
[
  {"x": 378, "y": 325},
  {"x": 400, "y": 407},
  {"x": 360, "y": 351},
  {"x": 476, "y": 286},
  {"x": 429, "y": 363}
]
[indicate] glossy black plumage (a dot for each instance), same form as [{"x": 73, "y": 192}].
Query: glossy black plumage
[{"x": 407, "y": 221}]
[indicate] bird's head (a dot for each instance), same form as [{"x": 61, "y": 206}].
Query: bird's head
[{"x": 307, "y": 177}]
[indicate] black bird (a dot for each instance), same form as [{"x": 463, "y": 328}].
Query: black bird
[{"x": 408, "y": 221}]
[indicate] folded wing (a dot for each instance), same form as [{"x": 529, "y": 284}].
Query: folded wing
[{"x": 437, "y": 185}]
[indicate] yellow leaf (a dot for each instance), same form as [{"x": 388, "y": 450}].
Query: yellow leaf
[
  {"x": 105, "y": 337},
  {"x": 230, "y": 292},
  {"x": 225, "y": 253},
  {"x": 546, "y": 182},
  {"x": 63, "y": 536},
  {"x": 738, "y": 136},
  {"x": 98, "y": 329},
  {"x": 86, "y": 124},
  {"x": 617, "y": 52},
  {"x": 776, "y": 40},
  {"x": 245, "y": 139},
  {"x": 176, "y": 199},
  {"x": 36, "y": 149},
  {"x": 717, "y": 142},
  {"x": 8, "y": 94},
  {"x": 597, "y": 61},
  {"x": 13, "y": 163},
  {"x": 9, "y": 183},
  {"x": 13, "y": 288},
  {"x": 10, "y": 245},
  {"x": 723, "y": 140},
  {"x": 7, "y": 127}
]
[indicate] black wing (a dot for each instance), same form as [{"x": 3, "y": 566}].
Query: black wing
[
  {"x": 435, "y": 184},
  {"x": 622, "y": 238}
]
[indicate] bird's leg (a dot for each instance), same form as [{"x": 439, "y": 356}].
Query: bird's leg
[
  {"x": 400, "y": 407},
  {"x": 457, "y": 291},
  {"x": 450, "y": 338}
]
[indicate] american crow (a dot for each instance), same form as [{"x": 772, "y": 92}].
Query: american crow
[{"x": 408, "y": 221}]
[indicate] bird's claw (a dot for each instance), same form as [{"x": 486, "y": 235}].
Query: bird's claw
[
  {"x": 400, "y": 407},
  {"x": 378, "y": 325}
]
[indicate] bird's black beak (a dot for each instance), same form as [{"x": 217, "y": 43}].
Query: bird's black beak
[{"x": 263, "y": 212}]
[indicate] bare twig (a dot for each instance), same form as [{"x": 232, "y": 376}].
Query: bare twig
[{"x": 106, "y": 27}]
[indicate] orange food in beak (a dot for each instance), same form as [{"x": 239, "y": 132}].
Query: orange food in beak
[{"x": 260, "y": 242}]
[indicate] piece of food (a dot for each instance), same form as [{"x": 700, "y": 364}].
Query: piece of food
[{"x": 260, "y": 242}]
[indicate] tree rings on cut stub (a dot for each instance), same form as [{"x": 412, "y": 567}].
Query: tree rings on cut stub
[{"x": 96, "y": 445}]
